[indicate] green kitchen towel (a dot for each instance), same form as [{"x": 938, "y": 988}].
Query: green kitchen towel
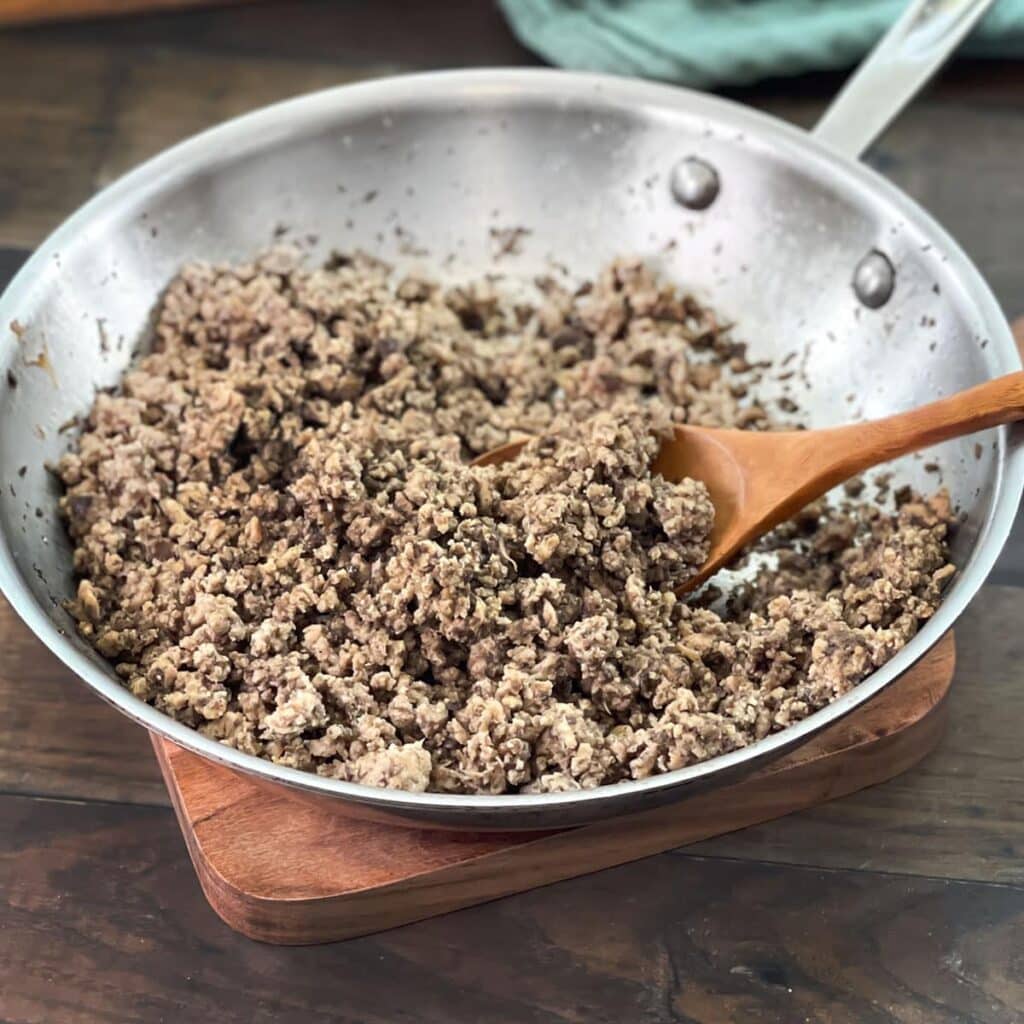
[{"x": 727, "y": 42}]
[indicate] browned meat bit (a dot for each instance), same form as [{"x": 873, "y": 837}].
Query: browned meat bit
[{"x": 280, "y": 541}]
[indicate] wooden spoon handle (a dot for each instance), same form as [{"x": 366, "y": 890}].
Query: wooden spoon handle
[{"x": 861, "y": 446}]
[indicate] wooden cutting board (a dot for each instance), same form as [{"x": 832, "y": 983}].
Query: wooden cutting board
[{"x": 287, "y": 869}]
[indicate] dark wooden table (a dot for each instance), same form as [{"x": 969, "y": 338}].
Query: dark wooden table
[{"x": 904, "y": 903}]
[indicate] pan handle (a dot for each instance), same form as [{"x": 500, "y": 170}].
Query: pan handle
[{"x": 908, "y": 55}]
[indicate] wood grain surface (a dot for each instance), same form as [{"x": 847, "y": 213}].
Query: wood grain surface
[
  {"x": 106, "y": 924},
  {"x": 903, "y": 903},
  {"x": 20, "y": 11}
]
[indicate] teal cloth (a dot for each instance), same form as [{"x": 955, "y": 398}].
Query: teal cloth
[{"x": 728, "y": 42}]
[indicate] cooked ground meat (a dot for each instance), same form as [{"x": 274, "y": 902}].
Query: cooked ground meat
[{"x": 281, "y": 543}]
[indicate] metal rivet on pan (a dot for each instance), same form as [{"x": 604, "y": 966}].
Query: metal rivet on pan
[
  {"x": 874, "y": 279},
  {"x": 694, "y": 183}
]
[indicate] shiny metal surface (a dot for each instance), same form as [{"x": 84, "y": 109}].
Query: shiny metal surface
[
  {"x": 874, "y": 279},
  {"x": 916, "y": 46},
  {"x": 583, "y": 162},
  {"x": 694, "y": 183}
]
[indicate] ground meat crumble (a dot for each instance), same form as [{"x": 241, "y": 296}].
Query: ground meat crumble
[{"x": 281, "y": 543}]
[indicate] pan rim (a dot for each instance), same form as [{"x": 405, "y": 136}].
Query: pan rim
[{"x": 290, "y": 118}]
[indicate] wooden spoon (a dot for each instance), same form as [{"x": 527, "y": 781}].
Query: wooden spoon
[{"x": 757, "y": 480}]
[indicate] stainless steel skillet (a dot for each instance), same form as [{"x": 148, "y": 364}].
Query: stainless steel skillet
[{"x": 804, "y": 248}]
